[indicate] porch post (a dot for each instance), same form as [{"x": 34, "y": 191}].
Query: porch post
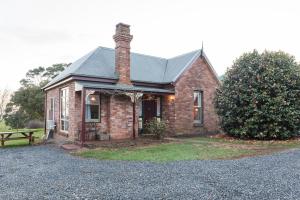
[
  {"x": 133, "y": 110},
  {"x": 83, "y": 97}
]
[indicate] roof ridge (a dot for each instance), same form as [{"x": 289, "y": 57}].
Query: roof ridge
[
  {"x": 165, "y": 70},
  {"x": 134, "y": 53},
  {"x": 142, "y": 54},
  {"x": 195, "y": 51},
  {"x": 149, "y": 56}
]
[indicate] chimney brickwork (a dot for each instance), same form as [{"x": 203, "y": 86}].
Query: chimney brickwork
[{"x": 122, "y": 52}]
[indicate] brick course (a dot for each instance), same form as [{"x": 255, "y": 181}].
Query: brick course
[
  {"x": 122, "y": 53},
  {"x": 198, "y": 77}
]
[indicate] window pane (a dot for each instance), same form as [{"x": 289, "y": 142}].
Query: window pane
[
  {"x": 92, "y": 107},
  {"x": 158, "y": 106},
  {"x": 140, "y": 122},
  {"x": 51, "y": 104},
  {"x": 88, "y": 112},
  {"x": 67, "y": 108},
  {"x": 196, "y": 98},
  {"x": 140, "y": 108},
  {"x": 198, "y": 109},
  {"x": 51, "y": 113},
  {"x": 64, "y": 109},
  {"x": 94, "y": 111},
  {"x": 200, "y": 99},
  {"x": 62, "y": 125},
  {"x": 51, "y": 110},
  {"x": 66, "y": 125},
  {"x": 93, "y": 99},
  {"x": 197, "y": 114}
]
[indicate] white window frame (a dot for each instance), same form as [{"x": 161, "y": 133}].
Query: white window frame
[
  {"x": 140, "y": 120},
  {"x": 158, "y": 108},
  {"x": 199, "y": 106},
  {"x": 64, "y": 104},
  {"x": 51, "y": 108},
  {"x": 87, "y": 104}
]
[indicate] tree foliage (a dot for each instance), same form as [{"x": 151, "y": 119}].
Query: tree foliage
[
  {"x": 4, "y": 99},
  {"x": 27, "y": 102},
  {"x": 260, "y": 96}
]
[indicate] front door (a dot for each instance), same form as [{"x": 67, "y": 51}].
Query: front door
[{"x": 149, "y": 110}]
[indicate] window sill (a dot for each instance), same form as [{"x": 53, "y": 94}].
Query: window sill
[
  {"x": 92, "y": 121},
  {"x": 197, "y": 124}
]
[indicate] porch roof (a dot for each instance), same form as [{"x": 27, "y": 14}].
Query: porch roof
[{"x": 119, "y": 87}]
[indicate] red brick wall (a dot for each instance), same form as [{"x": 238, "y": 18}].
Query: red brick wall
[
  {"x": 55, "y": 93},
  {"x": 121, "y": 117},
  {"x": 168, "y": 112},
  {"x": 197, "y": 77}
]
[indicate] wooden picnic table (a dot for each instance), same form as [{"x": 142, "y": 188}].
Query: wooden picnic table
[{"x": 7, "y": 136}]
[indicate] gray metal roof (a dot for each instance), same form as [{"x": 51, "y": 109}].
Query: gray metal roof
[
  {"x": 101, "y": 63},
  {"x": 80, "y": 84}
]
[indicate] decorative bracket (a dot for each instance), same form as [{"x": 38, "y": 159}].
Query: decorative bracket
[{"x": 134, "y": 96}]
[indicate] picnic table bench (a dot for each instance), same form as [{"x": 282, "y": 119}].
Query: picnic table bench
[{"x": 20, "y": 135}]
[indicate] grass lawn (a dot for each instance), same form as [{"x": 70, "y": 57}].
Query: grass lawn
[
  {"x": 200, "y": 148},
  {"x": 14, "y": 143}
]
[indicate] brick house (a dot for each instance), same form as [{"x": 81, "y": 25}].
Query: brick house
[{"x": 112, "y": 93}]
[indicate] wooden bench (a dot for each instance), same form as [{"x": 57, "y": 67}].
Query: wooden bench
[{"x": 8, "y": 136}]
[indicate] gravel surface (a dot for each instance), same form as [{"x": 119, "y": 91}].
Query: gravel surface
[{"x": 45, "y": 172}]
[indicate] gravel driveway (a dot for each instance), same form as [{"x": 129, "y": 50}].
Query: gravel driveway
[{"x": 44, "y": 172}]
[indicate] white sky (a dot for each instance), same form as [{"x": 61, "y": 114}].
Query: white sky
[{"x": 43, "y": 32}]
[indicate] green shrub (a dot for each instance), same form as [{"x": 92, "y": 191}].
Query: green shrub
[
  {"x": 260, "y": 97},
  {"x": 157, "y": 128},
  {"x": 3, "y": 126}
]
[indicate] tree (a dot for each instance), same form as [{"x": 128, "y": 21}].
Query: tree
[
  {"x": 4, "y": 99},
  {"x": 40, "y": 76},
  {"x": 27, "y": 103},
  {"x": 260, "y": 96},
  {"x": 15, "y": 117}
]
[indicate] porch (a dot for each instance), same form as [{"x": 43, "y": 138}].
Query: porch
[{"x": 118, "y": 111}]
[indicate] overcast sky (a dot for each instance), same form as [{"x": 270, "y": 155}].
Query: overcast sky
[{"x": 43, "y": 32}]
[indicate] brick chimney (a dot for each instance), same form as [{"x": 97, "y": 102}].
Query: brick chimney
[{"x": 122, "y": 52}]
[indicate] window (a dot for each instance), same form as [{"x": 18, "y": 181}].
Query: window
[
  {"x": 140, "y": 114},
  {"x": 92, "y": 111},
  {"x": 198, "y": 107},
  {"x": 158, "y": 108},
  {"x": 64, "y": 109},
  {"x": 51, "y": 110}
]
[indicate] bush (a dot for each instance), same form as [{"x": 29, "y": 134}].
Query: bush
[
  {"x": 3, "y": 126},
  {"x": 157, "y": 128},
  {"x": 260, "y": 97},
  {"x": 33, "y": 124}
]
